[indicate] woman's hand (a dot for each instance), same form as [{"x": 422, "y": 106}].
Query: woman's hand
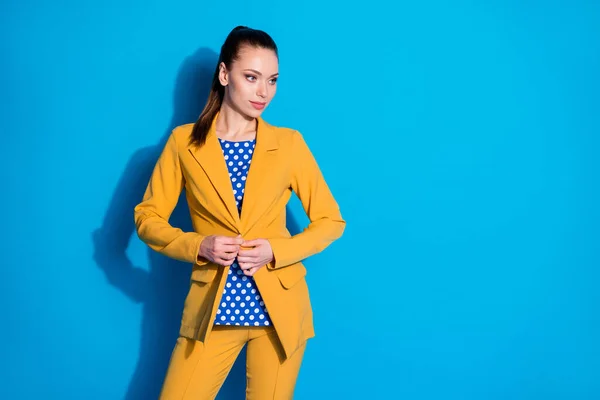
[
  {"x": 254, "y": 254},
  {"x": 221, "y": 250}
]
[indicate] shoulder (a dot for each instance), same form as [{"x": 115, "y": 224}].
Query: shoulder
[
  {"x": 285, "y": 136},
  {"x": 181, "y": 135}
]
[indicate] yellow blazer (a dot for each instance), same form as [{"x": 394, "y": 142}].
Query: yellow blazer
[{"x": 281, "y": 163}]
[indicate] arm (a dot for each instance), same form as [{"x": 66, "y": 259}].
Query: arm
[
  {"x": 160, "y": 198},
  {"x": 326, "y": 223}
]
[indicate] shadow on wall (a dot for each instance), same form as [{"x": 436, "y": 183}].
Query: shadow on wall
[{"x": 163, "y": 288}]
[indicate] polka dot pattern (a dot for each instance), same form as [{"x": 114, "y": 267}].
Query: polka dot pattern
[{"x": 241, "y": 302}]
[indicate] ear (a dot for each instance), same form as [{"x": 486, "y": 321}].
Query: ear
[{"x": 223, "y": 74}]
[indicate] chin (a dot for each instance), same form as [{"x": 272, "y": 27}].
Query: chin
[{"x": 254, "y": 113}]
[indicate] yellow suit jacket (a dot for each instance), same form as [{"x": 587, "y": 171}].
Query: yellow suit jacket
[{"x": 281, "y": 163}]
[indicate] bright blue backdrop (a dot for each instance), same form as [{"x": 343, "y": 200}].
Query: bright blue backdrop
[{"x": 460, "y": 139}]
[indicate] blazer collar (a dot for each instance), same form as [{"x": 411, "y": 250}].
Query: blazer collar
[{"x": 210, "y": 157}]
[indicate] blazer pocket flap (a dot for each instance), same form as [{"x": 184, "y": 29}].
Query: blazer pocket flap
[
  {"x": 290, "y": 275},
  {"x": 204, "y": 274}
]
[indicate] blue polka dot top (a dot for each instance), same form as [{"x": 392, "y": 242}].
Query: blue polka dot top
[{"x": 241, "y": 303}]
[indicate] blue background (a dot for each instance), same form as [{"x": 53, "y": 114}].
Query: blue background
[{"x": 460, "y": 139}]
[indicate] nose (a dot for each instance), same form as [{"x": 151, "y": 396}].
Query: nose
[{"x": 262, "y": 90}]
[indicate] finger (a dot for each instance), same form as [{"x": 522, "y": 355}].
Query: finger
[
  {"x": 227, "y": 248},
  {"x": 227, "y": 256},
  {"x": 245, "y": 265},
  {"x": 251, "y": 271},
  {"x": 224, "y": 254},
  {"x": 253, "y": 265},
  {"x": 246, "y": 260},
  {"x": 224, "y": 262},
  {"x": 249, "y": 253},
  {"x": 252, "y": 243},
  {"x": 230, "y": 240}
]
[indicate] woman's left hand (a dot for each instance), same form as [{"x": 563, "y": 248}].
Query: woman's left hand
[{"x": 253, "y": 255}]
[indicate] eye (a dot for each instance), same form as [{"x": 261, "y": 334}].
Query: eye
[
  {"x": 273, "y": 81},
  {"x": 251, "y": 78}
]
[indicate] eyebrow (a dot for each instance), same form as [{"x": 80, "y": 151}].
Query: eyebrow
[{"x": 258, "y": 73}]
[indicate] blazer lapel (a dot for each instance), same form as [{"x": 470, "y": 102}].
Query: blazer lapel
[
  {"x": 211, "y": 159},
  {"x": 261, "y": 167}
]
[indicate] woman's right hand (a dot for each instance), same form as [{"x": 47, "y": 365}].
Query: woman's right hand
[{"x": 221, "y": 250}]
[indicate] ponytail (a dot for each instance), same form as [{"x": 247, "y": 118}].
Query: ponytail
[{"x": 212, "y": 107}]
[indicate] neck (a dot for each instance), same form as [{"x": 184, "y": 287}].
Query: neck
[{"x": 231, "y": 125}]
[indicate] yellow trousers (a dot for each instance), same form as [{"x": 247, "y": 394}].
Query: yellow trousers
[{"x": 197, "y": 370}]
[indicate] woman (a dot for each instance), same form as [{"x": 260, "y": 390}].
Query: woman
[{"x": 247, "y": 284}]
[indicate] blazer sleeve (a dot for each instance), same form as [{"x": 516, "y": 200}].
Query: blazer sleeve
[
  {"x": 160, "y": 198},
  {"x": 326, "y": 222}
]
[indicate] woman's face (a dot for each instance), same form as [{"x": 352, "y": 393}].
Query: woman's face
[{"x": 251, "y": 81}]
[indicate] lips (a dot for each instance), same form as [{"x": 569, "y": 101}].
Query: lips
[{"x": 258, "y": 105}]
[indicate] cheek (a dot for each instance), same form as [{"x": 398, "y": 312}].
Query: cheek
[
  {"x": 273, "y": 91},
  {"x": 240, "y": 90}
]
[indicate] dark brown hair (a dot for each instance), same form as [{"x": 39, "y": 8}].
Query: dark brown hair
[{"x": 238, "y": 37}]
